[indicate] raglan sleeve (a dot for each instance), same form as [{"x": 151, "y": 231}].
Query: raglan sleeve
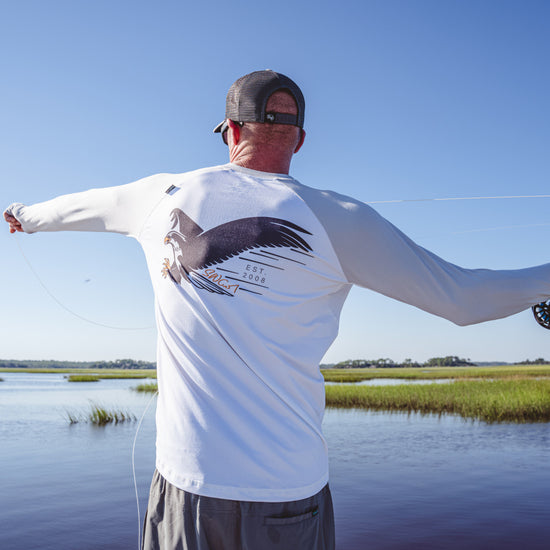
[
  {"x": 120, "y": 209},
  {"x": 374, "y": 254}
]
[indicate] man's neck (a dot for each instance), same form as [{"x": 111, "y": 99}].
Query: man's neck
[
  {"x": 262, "y": 167},
  {"x": 256, "y": 160}
]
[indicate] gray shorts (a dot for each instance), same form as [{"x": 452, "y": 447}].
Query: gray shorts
[{"x": 178, "y": 520}]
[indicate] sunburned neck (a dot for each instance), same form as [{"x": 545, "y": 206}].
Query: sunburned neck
[{"x": 262, "y": 162}]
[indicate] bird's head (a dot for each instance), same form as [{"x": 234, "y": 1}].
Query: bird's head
[{"x": 175, "y": 239}]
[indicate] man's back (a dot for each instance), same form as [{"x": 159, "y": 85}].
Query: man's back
[{"x": 248, "y": 292}]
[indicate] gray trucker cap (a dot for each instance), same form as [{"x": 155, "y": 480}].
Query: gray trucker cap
[{"x": 247, "y": 99}]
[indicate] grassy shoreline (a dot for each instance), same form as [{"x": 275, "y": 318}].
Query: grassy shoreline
[
  {"x": 334, "y": 375},
  {"x": 438, "y": 373},
  {"x": 507, "y": 400}
]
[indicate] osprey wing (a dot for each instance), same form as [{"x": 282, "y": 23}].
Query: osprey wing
[
  {"x": 184, "y": 224},
  {"x": 230, "y": 239}
]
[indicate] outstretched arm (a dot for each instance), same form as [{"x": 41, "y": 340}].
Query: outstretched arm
[
  {"x": 121, "y": 209},
  {"x": 374, "y": 254},
  {"x": 388, "y": 262}
]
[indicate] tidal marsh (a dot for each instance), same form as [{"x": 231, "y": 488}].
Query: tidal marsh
[
  {"x": 508, "y": 393},
  {"x": 509, "y": 400},
  {"x": 436, "y": 373}
]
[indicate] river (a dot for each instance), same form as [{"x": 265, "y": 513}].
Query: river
[{"x": 399, "y": 481}]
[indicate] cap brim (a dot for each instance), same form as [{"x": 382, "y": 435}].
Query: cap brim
[{"x": 218, "y": 128}]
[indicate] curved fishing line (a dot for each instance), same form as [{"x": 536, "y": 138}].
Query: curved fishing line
[
  {"x": 479, "y": 230},
  {"x": 483, "y": 229},
  {"x": 462, "y": 199},
  {"x": 61, "y": 304},
  {"x": 134, "y": 466},
  {"x": 495, "y": 228}
]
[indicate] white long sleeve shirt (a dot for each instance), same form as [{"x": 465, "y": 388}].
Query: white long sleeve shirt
[{"x": 250, "y": 271}]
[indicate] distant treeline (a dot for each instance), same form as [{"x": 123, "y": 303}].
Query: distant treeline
[
  {"x": 538, "y": 361},
  {"x": 449, "y": 361},
  {"x": 386, "y": 363},
  {"x": 52, "y": 364},
  {"x": 383, "y": 363}
]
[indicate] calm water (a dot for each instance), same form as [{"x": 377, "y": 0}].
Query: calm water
[{"x": 398, "y": 481}]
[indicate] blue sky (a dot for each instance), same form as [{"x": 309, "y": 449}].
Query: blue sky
[{"x": 404, "y": 100}]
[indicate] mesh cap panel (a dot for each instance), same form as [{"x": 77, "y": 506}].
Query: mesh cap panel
[{"x": 247, "y": 99}]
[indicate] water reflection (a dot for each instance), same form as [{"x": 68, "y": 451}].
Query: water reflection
[{"x": 411, "y": 481}]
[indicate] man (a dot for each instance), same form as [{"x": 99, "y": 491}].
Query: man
[{"x": 250, "y": 270}]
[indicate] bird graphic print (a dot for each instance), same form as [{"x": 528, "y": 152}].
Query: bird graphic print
[{"x": 197, "y": 255}]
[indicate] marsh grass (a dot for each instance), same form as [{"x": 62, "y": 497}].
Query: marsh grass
[
  {"x": 124, "y": 375},
  {"x": 82, "y": 378},
  {"x": 507, "y": 400},
  {"x": 96, "y": 376},
  {"x": 100, "y": 416},
  {"x": 150, "y": 387},
  {"x": 72, "y": 417},
  {"x": 437, "y": 373},
  {"x": 100, "y": 373}
]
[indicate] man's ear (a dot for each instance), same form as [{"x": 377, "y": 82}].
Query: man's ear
[
  {"x": 301, "y": 142},
  {"x": 236, "y": 131}
]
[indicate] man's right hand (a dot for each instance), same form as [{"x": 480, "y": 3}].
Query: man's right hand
[{"x": 14, "y": 224}]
